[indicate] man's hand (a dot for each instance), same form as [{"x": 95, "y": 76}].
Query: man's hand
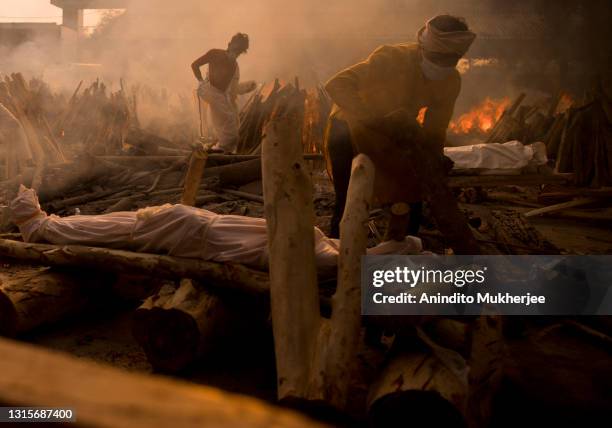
[
  {"x": 396, "y": 125},
  {"x": 246, "y": 87}
]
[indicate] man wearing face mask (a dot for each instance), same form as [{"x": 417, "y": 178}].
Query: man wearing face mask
[
  {"x": 395, "y": 81},
  {"x": 220, "y": 89}
]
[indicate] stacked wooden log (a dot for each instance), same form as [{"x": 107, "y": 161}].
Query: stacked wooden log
[
  {"x": 529, "y": 123},
  {"x": 579, "y": 138},
  {"x": 313, "y": 107},
  {"x": 96, "y": 120},
  {"x": 585, "y": 143},
  {"x": 24, "y": 101}
]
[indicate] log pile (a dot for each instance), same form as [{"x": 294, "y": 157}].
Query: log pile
[
  {"x": 578, "y": 139},
  {"x": 585, "y": 143},
  {"x": 25, "y": 101},
  {"x": 97, "y": 120},
  {"x": 312, "y": 106}
]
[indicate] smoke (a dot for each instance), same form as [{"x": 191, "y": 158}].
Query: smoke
[
  {"x": 155, "y": 41},
  {"x": 31, "y": 57}
]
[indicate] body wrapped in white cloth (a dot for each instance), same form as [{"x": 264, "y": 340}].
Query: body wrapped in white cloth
[
  {"x": 509, "y": 156},
  {"x": 175, "y": 230}
]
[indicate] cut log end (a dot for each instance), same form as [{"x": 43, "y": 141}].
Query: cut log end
[
  {"x": 414, "y": 408},
  {"x": 169, "y": 337}
]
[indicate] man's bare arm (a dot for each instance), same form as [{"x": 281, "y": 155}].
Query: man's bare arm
[{"x": 195, "y": 66}]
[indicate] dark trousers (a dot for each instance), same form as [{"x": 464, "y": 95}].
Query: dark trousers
[{"x": 341, "y": 153}]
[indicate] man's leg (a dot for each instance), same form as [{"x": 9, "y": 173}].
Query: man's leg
[
  {"x": 340, "y": 152},
  {"x": 225, "y": 121}
]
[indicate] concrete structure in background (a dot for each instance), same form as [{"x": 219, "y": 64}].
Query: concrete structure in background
[
  {"x": 72, "y": 22},
  {"x": 72, "y": 10},
  {"x": 13, "y": 34}
]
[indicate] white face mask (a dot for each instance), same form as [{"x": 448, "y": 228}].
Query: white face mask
[{"x": 434, "y": 71}]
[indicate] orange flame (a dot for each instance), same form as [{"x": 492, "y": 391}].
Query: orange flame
[
  {"x": 481, "y": 118},
  {"x": 421, "y": 116}
]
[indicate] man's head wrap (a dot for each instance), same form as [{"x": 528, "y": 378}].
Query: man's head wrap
[{"x": 432, "y": 39}]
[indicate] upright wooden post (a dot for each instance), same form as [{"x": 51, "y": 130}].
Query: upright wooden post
[
  {"x": 346, "y": 302},
  {"x": 290, "y": 216},
  {"x": 194, "y": 176}
]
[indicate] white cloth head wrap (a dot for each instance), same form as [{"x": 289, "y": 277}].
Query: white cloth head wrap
[{"x": 452, "y": 42}]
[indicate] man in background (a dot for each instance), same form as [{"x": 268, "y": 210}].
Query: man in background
[
  {"x": 221, "y": 88},
  {"x": 395, "y": 82}
]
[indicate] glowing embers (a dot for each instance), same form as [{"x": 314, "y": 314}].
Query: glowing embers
[{"x": 481, "y": 118}]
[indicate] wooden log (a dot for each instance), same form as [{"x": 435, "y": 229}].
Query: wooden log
[
  {"x": 219, "y": 159},
  {"x": 81, "y": 199},
  {"x": 42, "y": 296},
  {"x": 590, "y": 215},
  {"x": 564, "y": 161},
  {"x": 11, "y": 165},
  {"x": 176, "y": 326},
  {"x": 552, "y": 140},
  {"x": 560, "y": 207},
  {"x": 506, "y": 123},
  {"x": 37, "y": 178},
  {"x": 236, "y": 174},
  {"x": 58, "y": 126},
  {"x": 170, "y": 151},
  {"x": 294, "y": 296},
  {"x": 223, "y": 275},
  {"x": 193, "y": 177},
  {"x": 34, "y": 376},
  {"x": 418, "y": 383},
  {"x": 345, "y": 328},
  {"x": 507, "y": 180},
  {"x": 245, "y": 195},
  {"x": 562, "y": 195},
  {"x": 69, "y": 176},
  {"x": 123, "y": 204}
]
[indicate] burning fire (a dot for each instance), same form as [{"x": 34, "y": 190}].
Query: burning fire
[
  {"x": 481, "y": 118},
  {"x": 421, "y": 116}
]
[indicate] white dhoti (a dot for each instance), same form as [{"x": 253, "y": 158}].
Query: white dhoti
[{"x": 223, "y": 115}]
